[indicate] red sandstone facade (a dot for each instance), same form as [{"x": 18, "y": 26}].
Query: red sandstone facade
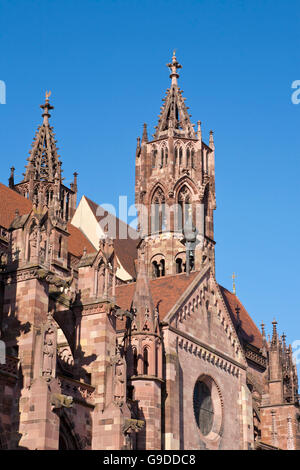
[{"x": 168, "y": 359}]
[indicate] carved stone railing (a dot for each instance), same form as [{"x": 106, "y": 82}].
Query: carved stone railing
[{"x": 80, "y": 391}]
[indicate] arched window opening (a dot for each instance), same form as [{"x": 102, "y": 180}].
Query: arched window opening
[
  {"x": 166, "y": 156},
  {"x": 178, "y": 266},
  {"x": 145, "y": 362},
  {"x": 59, "y": 246},
  {"x": 155, "y": 269},
  {"x": 162, "y": 158},
  {"x": 158, "y": 219},
  {"x": 187, "y": 157},
  {"x": 180, "y": 156},
  {"x": 162, "y": 267},
  {"x": 154, "y": 153},
  {"x": 36, "y": 196},
  {"x": 193, "y": 158},
  {"x": 176, "y": 156},
  {"x": 184, "y": 208},
  {"x": 203, "y": 407},
  {"x": 135, "y": 362},
  {"x": 67, "y": 206}
]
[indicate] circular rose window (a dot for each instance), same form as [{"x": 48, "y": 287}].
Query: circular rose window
[{"x": 207, "y": 407}]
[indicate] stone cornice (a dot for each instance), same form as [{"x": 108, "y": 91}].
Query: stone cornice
[{"x": 193, "y": 345}]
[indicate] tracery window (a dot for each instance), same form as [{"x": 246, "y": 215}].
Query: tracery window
[
  {"x": 203, "y": 407},
  {"x": 188, "y": 153},
  {"x": 154, "y": 154},
  {"x": 183, "y": 207},
  {"x": 145, "y": 362},
  {"x": 180, "y": 156},
  {"x": 158, "y": 211}
]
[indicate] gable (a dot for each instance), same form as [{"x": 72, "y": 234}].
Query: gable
[
  {"x": 125, "y": 238},
  {"x": 201, "y": 314}
]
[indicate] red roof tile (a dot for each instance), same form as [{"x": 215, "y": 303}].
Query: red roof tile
[
  {"x": 164, "y": 290},
  {"x": 10, "y": 200},
  {"x": 248, "y": 331},
  {"x": 77, "y": 241},
  {"x": 167, "y": 290}
]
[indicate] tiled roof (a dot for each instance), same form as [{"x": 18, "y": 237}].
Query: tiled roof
[
  {"x": 10, "y": 200},
  {"x": 77, "y": 241},
  {"x": 165, "y": 291},
  {"x": 125, "y": 248},
  {"x": 248, "y": 331}
]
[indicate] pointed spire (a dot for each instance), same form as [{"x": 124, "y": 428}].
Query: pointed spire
[
  {"x": 274, "y": 341},
  {"x": 43, "y": 158},
  {"x": 142, "y": 302},
  {"x": 174, "y": 118},
  {"x": 145, "y": 134},
  {"x": 199, "y": 131}
]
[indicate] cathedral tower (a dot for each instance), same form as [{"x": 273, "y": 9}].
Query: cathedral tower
[{"x": 175, "y": 189}]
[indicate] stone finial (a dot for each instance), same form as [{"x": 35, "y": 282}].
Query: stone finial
[
  {"x": 174, "y": 66},
  {"x": 274, "y": 340},
  {"x": 263, "y": 330},
  {"x": 199, "y": 131},
  {"x": 211, "y": 140},
  {"x": 46, "y": 107},
  {"x": 11, "y": 180},
  {"x": 145, "y": 134}
]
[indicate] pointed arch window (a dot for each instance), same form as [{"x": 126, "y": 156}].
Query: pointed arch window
[
  {"x": 59, "y": 247},
  {"x": 166, "y": 156},
  {"x": 145, "y": 361},
  {"x": 154, "y": 154},
  {"x": 135, "y": 362},
  {"x": 162, "y": 158},
  {"x": 188, "y": 153},
  {"x": 184, "y": 207},
  {"x": 158, "y": 211},
  {"x": 176, "y": 156},
  {"x": 180, "y": 156},
  {"x": 193, "y": 158}
]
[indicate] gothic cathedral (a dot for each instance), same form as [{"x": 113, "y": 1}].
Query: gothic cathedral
[{"x": 128, "y": 342}]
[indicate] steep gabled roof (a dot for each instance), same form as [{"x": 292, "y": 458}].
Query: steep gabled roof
[
  {"x": 125, "y": 239},
  {"x": 247, "y": 330},
  {"x": 165, "y": 291}
]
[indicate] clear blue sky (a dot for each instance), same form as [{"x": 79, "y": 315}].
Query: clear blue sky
[{"x": 104, "y": 62}]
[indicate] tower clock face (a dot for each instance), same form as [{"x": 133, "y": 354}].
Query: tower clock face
[{"x": 203, "y": 408}]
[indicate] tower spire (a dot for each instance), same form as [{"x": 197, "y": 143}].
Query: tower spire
[
  {"x": 174, "y": 119},
  {"x": 43, "y": 157}
]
